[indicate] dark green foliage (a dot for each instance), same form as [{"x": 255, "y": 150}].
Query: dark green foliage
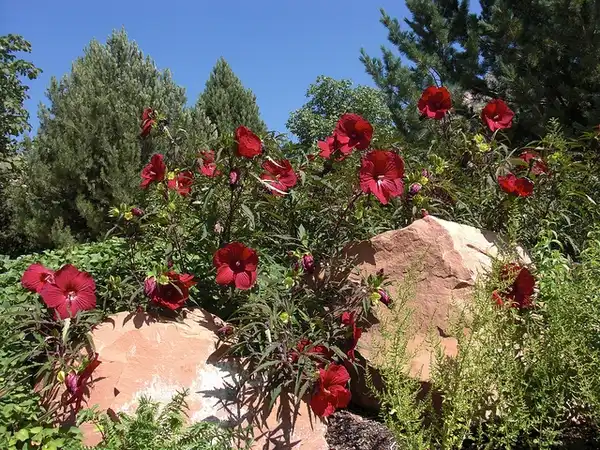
[
  {"x": 540, "y": 56},
  {"x": 87, "y": 154},
  {"x": 329, "y": 99},
  {"x": 157, "y": 428},
  {"x": 13, "y": 115},
  {"x": 30, "y": 339},
  {"x": 226, "y": 102},
  {"x": 13, "y": 122}
]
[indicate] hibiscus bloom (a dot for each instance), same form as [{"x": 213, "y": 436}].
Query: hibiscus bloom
[
  {"x": 236, "y": 264},
  {"x": 521, "y": 186},
  {"x": 249, "y": 145},
  {"x": 77, "y": 383},
  {"x": 319, "y": 351},
  {"x": 71, "y": 292},
  {"x": 171, "y": 290},
  {"x": 332, "y": 392},
  {"x": 182, "y": 182},
  {"x": 520, "y": 292},
  {"x": 435, "y": 102},
  {"x": 209, "y": 166},
  {"x": 154, "y": 171},
  {"x": 36, "y": 277},
  {"x": 352, "y": 131},
  {"x": 535, "y": 162},
  {"x": 331, "y": 147},
  {"x": 497, "y": 115},
  {"x": 381, "y": 174},
  {"x": 148, "y": 121},
  {"x": 280, "y": 176}
]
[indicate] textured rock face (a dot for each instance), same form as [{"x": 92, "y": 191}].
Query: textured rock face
[
  {"x": 143, "y": 356},
  {"x": 439, "y": 262}
]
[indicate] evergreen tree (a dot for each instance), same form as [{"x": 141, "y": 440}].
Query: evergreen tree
[
  {"x": 542, "y": 57},
  {"x": 87, "y": 155},
  {"x": 329, "y": 99},
  {"x": 13, "y": 121},
  {"x": 226, "y": 102}
]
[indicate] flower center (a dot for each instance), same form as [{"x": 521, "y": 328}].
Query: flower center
[
  {"x": 238, "y": 264},
  {"x": 71, "y": 295}
]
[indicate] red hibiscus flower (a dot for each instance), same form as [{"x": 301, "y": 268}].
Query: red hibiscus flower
[
  {"x": 521, "y": 187},
  {"x": 182, "y": 183},
  {"x": 148, "y": 121},
  {"x": 319, "y": 351},
  {"x": 352, "y": 131},
  {"x": 154, "y": 171},
  {"x": 209, "y": 166},
  {"x": 171, "y": 291},
  {"x": 36, "y": 277},
  {"x": 332, "y": 392},
  {"x": 77, "y": 383},
  {"x": 535, "y": 162},
  {"x": 381, "y": 174},
  {"x": 280, "y": 176},
  {"x": 435, "y": 102},
  {"x": 348, "y": 318},
  {"x": 331, "y": 147},
  {"x": 497, "y": 115},
  {"x": 71, "y": 292},
  {"x": 519, "y": 293},
  {"x": 236, "y": 264},
  {"x": 248, "y": 144}
]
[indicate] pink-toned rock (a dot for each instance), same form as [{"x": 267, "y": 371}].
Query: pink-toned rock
[
  {"x": 442, "y": 260},
  {"x": 145, "y": 356}
]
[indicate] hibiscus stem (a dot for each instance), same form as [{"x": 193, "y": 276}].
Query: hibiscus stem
[
  {"x": 228, "y": 224},
  {"x": 350, "y": 204}
]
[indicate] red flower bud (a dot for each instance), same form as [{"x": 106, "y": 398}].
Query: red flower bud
[
  {"x": 234, "y": 177},
  {"x": 384, "y": 297},
  {"x": 308, "y": 263},
  {"x": 137, "y": 212}
]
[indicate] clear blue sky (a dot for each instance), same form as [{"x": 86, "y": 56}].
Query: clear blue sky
[{"x": 277, "y": 48}]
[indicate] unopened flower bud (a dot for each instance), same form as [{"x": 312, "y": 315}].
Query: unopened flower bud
[
  {"x": 137, "y": 212},
  {"x": 224, "y": 331},
  {"x": 149, "y": 286},
  {"x": 234, "y": 178},
  {"x": 384, "y": 297},
  {"x": 414, "y": 189},
  {"x": 308, "y": 263}
]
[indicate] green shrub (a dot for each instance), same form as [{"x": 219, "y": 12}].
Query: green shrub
[{"x": 522, "y": 379}]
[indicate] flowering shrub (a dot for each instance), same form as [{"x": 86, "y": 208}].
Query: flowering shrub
[{"x": 253, "y": 228}]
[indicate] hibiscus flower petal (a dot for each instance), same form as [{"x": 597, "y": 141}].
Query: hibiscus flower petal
[
  {"x": 341, "y": 395},
  {"x": 225, "y": 275},
  {"x": 321, "y": 404},
  {"x": 245, "y": 280}
]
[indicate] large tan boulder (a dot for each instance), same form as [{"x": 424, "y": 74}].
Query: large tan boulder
[
  {"x": 438, "y": 262},
  {"x": 145, "y": 356}
]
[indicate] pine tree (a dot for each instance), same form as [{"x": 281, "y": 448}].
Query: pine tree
[
  {"x": 87, "y": 154},
  {"x": 329, "y": 99},
  {"x": 542, "y": 57},
  {"x": 226, "y": 102}
]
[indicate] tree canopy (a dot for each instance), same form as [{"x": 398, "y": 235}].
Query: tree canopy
[{"x": 542, "y": 57}]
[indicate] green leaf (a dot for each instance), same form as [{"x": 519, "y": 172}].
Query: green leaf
[
  {"x": 249, "y": 215},
  {"x": 22, "y": 435}
]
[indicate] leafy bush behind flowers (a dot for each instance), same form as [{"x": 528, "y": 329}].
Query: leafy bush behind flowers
[{"x": 253, "y": 230}]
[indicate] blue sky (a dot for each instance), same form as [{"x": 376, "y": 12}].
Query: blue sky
[{"x": 277, "y": 48}]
